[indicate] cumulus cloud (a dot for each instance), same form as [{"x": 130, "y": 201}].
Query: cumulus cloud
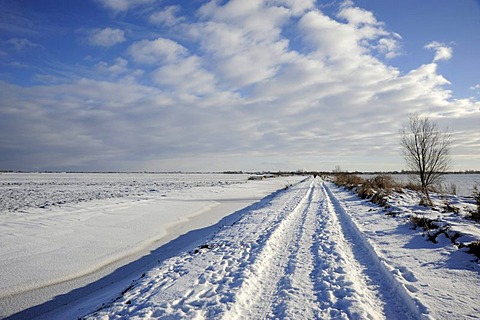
[
  {"x": 106, "y": 37},
  {"x": 442, "y": 51},
  {"x": 156, "y": 51}
]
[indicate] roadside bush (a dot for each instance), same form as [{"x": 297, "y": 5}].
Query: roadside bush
[
  {"x": 424, "y": 202},
  {"x": 449, "y": 208},
  {"x": 475, "y": 214},
  {"x": 348, "y": 180},
  {"x": 451, "y": 188},
  {"x": 365, "y": 191},
  {"x": 383, "y": 181},
  {"x": 474, "y": 248},
  {"x": 375, "y": 189},
  {"x": 381, "y": 198},
  {"x": 423, "y": 222},
  {"x": 413, "y": 186}
]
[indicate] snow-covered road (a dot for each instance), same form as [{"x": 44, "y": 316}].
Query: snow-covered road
[{"x": 297, "y": 255}]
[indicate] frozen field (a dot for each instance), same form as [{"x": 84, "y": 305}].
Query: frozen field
[{"x": 222, "y": 247}]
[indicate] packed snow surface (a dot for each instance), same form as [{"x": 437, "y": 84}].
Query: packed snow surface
[
  {"x": 308, "y": 251},
  {"x": 313, "y": 251}
]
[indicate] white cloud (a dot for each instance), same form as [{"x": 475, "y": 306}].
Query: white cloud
[
  {"x": 442, "y": 51},
  {"x": 331, "y": 39},
  {"x": 254, "y": 17},
  {"x": 106, "y": 37},
  {"x": 156, "y": 51},
  {"x": 369, "y": 31},
  {"x": 356, "y": 16},
  {"x": 243, "y": 38},
  {"x": 122, "y": 5},
  {"x": 475, "y": 87},
  {"x": 119, "y": 67},
  {"x": 167, "y": 16},
  {"x": 186, "y": 76},
  {"x": 21, "y": 43},
  {"x": 297, "y": 7},
  {"x": 389, "y": 47}
]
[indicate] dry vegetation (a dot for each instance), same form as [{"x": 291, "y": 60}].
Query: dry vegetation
[
  {"x": 475, "y": 214},
  {"x": 376, "y": 189}
]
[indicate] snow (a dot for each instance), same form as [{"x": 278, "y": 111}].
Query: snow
[
  {"x": 441, "y": 278},
  {"x": 48, "y": 251},
  {"x": 243, "y": 251}
]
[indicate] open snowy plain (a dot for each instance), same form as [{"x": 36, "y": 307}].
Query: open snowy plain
[{"x": 311, "y": 251}]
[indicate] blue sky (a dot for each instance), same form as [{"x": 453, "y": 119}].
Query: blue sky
[{"x": 162, "y": 85}]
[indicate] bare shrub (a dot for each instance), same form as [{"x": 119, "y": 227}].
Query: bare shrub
[
  {"x": 383, "y": 181},
  {"x": 473, "y": 248},
  {"x": 413, "y": 186},
  {"x": 451, "y": 188},
  {"x": 375, "y": 189},
  {"x": 449, "y": 208},
  {"x": 423, "y": 222},
  {"x": 348, "y": 180},
  {"x": 475, "y": 214}
]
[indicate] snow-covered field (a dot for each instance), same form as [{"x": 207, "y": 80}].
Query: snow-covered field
[
  {"x": 61, "y": 232},
  {"x": 312, "y": 251},
  {"x": 21, "y": 191}
]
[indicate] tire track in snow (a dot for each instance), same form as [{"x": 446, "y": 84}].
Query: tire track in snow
[
  {"x": 256, "y": 296},
  {"x": 391, "y": 297},
  {"x": 295, "y": 291},
  {"x": 341, "y": 286},
  {"x": 314, "y": 265}
]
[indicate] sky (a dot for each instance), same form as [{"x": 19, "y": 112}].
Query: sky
[{"x": 159, "y": 85}]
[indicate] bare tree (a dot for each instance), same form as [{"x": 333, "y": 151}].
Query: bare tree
[{"x": 426, "y": 150}]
